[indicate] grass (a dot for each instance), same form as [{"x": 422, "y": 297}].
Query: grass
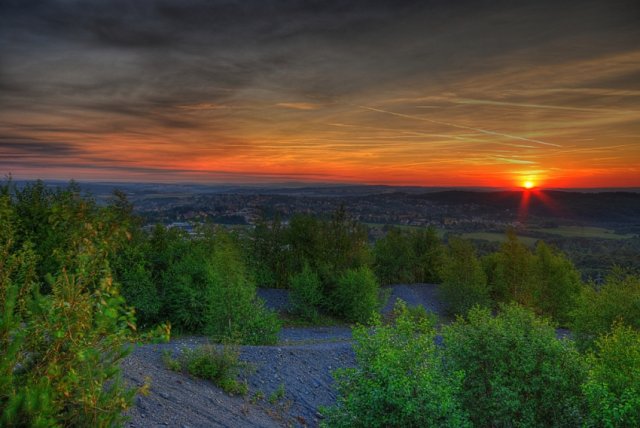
[
  {"x": 498, "y": 237},
  {"x": 277, "y": 395},
  {"x": 291, "y": 320},
  {"x": 404, "y": 227},
  {"x": 217, "y": 364},
  {"x": 583, "y": 232}
]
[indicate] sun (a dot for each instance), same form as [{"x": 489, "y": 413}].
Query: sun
[{"x": 528, "y": 184}]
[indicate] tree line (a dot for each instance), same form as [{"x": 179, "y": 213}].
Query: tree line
[{"x": 78, "y": 280}]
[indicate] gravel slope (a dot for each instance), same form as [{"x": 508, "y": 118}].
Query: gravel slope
[{"x": 302, "y": 362}]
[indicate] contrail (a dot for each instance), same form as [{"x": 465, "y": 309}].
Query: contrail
[{"x": 453, "y": 125}]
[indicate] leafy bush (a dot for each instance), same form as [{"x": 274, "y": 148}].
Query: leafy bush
[
  {"x": 357, "y": 295},
  {"x": 399, "y": 381},
  {"x": 613, "y": 388},
  {"x": 464, "y": 283},
  {"x": 393, "y": 258},
  {"x": 218, "y": 364},
  {"x": 513, "y": 275},
  {"x": 133, "y": 272},
  {"x": 234, "y": 311},
  {"x": 408, "y": 256},
  {"x": 306, "y": 293},
  {"x": 187, "y": 293},
  {"x": 556, "y": 283},
  {"x": 516, "y": 373},
  {"x": 428, "y": 253},
  {"x": 61, "y": 345},
  {"x": 596, "y": 310}
]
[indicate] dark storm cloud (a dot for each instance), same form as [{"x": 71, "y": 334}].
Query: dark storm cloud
[
  {"x": 316, "y": 48},
  {"x": 18, "y": 147}
]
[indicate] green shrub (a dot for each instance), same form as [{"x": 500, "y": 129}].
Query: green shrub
[
  {"x": 61, "y": 344},
  {"x": 556, "y": 283},
  {"x": 187, "y": 294},
  {"x": 516, "y": 372},
  {"x": 170, "y": 362},
  {"x": 132, "y": 271},
  {"x": 613, "y": 388},
  {"x": 417, "y": 314},
  {"x": 394, "y": 260},
  {"x": 277, "y": 395},
  {"x": 234, "y": 311},
  {"x": 218, "y": 364},
  {"x": 428, "y": 253},
  {"x": 596, "y": 310},
  {"x": 357, "y": 295},
  {"x": 399, "y": 381},
  {"x": 464, "y": 283},
  {"x": 306, "y": 294},
  {"x": 513, "y": 279}
]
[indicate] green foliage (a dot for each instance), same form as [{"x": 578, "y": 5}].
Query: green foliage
[
  {"x": 596, "y": 310},
  {"x": 408, "y": 257},
  {"x": 187, "y": 293},
  {"x": 218, "y": 364},
  {"x": 306, "y": 294},
  {"x": 170, "y": 362},
  {"x": 464, "y": 283},
  {"x": 416, "y": 314},
  {"x": 394, "y": 260},
  {"x": 357, "y": 295},
  {"x": 234, "y": 311},
  {"x": 556, "y": 283},
  {"x": 428, "y": 253},
  {"x": 513, "y": 275},
  {"x": 61, "y": 344},
  {"x": 270, "y": 257},
  {"x": 613, "y": 388},
  {"x": 346, "y": 243},
  {"x": 306, "y": 242},
  {"x": 132, "y": 269},
  {"x": 277, "y": 395},
  {"x": 399, "y": 381},
  {"x": 516, "y": 372},
  {"x": 204, "y": 287}
]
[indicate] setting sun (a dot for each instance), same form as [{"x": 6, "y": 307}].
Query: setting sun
[{"x": 528, "y": 184}]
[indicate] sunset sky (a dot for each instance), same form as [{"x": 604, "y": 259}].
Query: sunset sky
[{"x": 432, "y": 93}]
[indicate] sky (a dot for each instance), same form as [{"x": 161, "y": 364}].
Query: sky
[{"x": 427, "y": 93}]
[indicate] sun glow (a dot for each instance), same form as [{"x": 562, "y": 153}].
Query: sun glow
[{"x": 528, "y": 184}]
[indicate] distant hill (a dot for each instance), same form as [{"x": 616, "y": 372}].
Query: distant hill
[{"x": 578, "y": 206}]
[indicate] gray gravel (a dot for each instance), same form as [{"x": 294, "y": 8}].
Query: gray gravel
[
  {"x": 275, "y": 298},
  {"x": 178, "y": 400},
  {"x": 415, "y": 294},
  {"x": 302, "y": 363}
]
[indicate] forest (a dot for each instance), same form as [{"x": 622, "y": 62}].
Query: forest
[{"x": 81, "y": 283}]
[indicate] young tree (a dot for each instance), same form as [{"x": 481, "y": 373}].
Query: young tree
[
  {"x": 428, "y": 254},
  {"x": 399, "y": 381},
  {"x": 556, "y": 283},
  {"x": 357, "y": 295},
  {"x": 306, "y": 293},
  {"x": 513, "y": 277},
  {"x": 516, "y": 372},
  {"x": 464, "y": 283},
  {"x": 61, "y": 346},
  {"x": 613, "y": 388},
  {"x": 232, "y": 308},
  {"x": 394, "y": 260},
  {"x": 596, "y": 310}
]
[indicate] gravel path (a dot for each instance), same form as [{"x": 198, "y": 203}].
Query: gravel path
[
  {"x": 414, "y": 295},
  {"x": 301, "y": 363}
]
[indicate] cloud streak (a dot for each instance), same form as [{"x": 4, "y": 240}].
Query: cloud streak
[{"x": 400, "y": 92}]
